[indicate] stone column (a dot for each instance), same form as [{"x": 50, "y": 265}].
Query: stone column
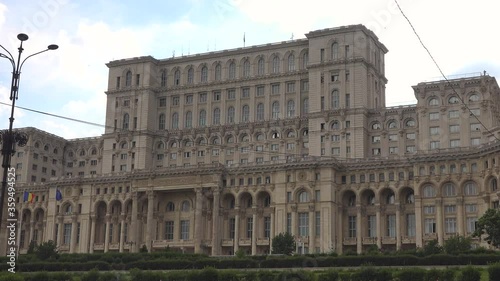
[
  {"x": 398, "y": 227},
  {"x": 149, "y": 223},
  {"x": 198, "y": 226},
  {"x": 295, "y": 227},
  {"x": 460, "y": 217},
  {"x": 312, "y": 234},
  {"x": 236, "y": 229},
  {"x": 60, "y": 231},
  {"x": 32, "y": 229},
  {"x": 272, "y": 232},
  {"x": 439, "y": 222},
  {"x": 378, "y": 219},
  {"x": 92, "y": 234},
  {"x": 359, "y": 244},
  {"x": 106, "y": 235},
  {"x": 122, "y": 231},
  {"x": 340, "y": 230},
  {"x": 134, "y": 227},
  {"x": 74, "y": 232},
  {"x": 254, "y": 230},
  {"x": 418, "y": 222},
  {"x": 215, "y": 224}
]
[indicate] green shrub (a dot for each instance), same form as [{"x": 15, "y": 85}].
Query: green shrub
[
  {"x": 92, "y": 275},
  {"x": 11, "y": 277},
  {"x": 365, "y": 274},
  {"x": 266, "y": 275},
  {"x": 228, "y": 275},
  {"x": 470, "y": 274},
  {"x": 329, "y": 275},
  {"x": 412, "y": 274},
  {"x": 494, "y": 272}
]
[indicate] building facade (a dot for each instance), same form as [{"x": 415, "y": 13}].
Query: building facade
[{"x": 219, "y": 152}]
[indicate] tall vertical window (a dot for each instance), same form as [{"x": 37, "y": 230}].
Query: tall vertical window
[
  {"x": 260, "y": 112},
  {"x": 190, "y": 76},
  {"x": 305, "y": 60},
  {"x": 276, "y": 64},
  {"x": 163, "y": 79},
  {"x": 276, "y": 110},
  {"x": 291, "y": 63},
  {"x": 246, "y": 69},
  {"x": 317, "y": 225},
  {"x": 267, "y": 227},
  {"x": 260, "y": 67},
  {"x": 249, "y": 227},
  {"x": 391, "y": 225},
  {"x": 67, "y": 234},
  {"x": 290, "y": 108},
  {"x": 128, "y": 78},
  {"x": 216, "y": 117},
  {"x": 161, "y": 122},
  {"x": 335, "y": 99},
  {"x": 232, "y": 227},
  {"x": 347, "y": 100},
  {"x": 372, "y": 226},
  {"x": 471, "y": 224},
  {"x": 429, "y": 225},
  {"x": 245, "y": 113},
  {"x": 450, "y": 225},
  {"x": 189, "y": 120},
  {"x": 303, "y": 224},
  {"x": 175, "y": 120},
  {"x": 230, "y": 115},
  {"x": 335, "y": 51},
  {"x": 184, "y": 229},
  {"x": 169, "y": 230},
  {"x": 232, "y": 71},
  {"x": 411, "y": 228},
  {"x": 177, "y": 77},
  {"x": 202, "y": 119},
  {"x": 351, "y": 220},
  {"x": 111, "y": 233},
  {"x": 305, "y": 106},
  {"x": 125, "y": 121},
  {"x": 218, "y": 72},
  {"x": 204, "y": 74},
  {"x": 289, "y": 223}
]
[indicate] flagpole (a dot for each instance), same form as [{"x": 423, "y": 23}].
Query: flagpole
[{"x": 19, "y": 230}]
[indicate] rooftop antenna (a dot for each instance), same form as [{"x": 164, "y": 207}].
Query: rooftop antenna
[
  {"x": 182, "y": 51},
  {"x": 243, "y": 39},
  {"x": 173, "y": 54},
  {"x": 292, "y": 36}
]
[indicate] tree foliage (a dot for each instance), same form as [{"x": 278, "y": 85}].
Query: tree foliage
[
  {"x": 46, "y": 250},
  {"x": 284, "y": 243},
  {"x": 457, "y": 244},
  {"x": 489, "y": 225},
  {"x": 432, "y": 247}
]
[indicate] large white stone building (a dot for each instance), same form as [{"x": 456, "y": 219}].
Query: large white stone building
[{"x": 215, "y": 152}]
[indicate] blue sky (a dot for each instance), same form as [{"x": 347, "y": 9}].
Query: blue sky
[{"x": 71, "y": 81}]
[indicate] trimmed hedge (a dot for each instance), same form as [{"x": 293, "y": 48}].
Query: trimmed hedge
[{"x": 494, "y": 272}]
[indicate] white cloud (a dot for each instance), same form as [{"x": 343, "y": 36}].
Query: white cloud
[{"x": 3, "y": 11}]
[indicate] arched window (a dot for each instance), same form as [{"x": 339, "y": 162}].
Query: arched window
[
  {"x": 474, "y": 97},
  {"x": 163, "y": 78},
  {"x": 260, "y": 112},
  {"x": 175, "y": 120},
  {"x": 124, "y": 145},
  {"x": 245, "y": 113},
  {"x": 260, "y": 67},
  {"x": 185, "y": 206},
  {"x": 177, "y": 77},
  {"x": 204, "y": 74},
  {"x": 392, "y": 124},
  {"x": 230, "y": 115},
  {"x": 410, "y": 123},
  {"x": 370, "y": 200},
  {"x": 189, "y": 120},
  {"x": 410, "y": 198},
  {"x": 231, "y": 203},
  {"x": 276, "y": 110},
  {"x": 429, "y": 191},
  {"x": 260, "y": 137},
  {"x": 305, "y": 60},
  {"x": 291, "y": 63},
  {"x": 160, "y": 145},
  {"x": 335, "y": 99},
  {"x": 128, "y": 78},
  {"x": 470, "y": 188},
  {"x": 68, "y": 210},
  {"x": 232, "y": 70},
  {"x": 335, "y": 125},
  {"x": 449, "y": 190},
  {"x": 290, "y": 108},
  {"x": 246, "y": 69},
  {"x": 161, "y": 122},
  {"x": 216, "y": 120},
  {"x": 267, "y": 201},
  {"x": 216, "y": 141},
  {"x": 170, "y": 207},
  {"x": 303, "y": 197},
  {"x": 125, "y": 121},
  {"x": 94, "y": 151},
  {"x": 202, "y": 119},
  {"x": 82, "y": 152},
  {"x": 453, "y": 100},
  {"x": 190, "y": 76},
  {"x": 335, "y": 51},
  {"x": 218, "y": 72},
  {"x": 290, "y": 134},
  {"x": 230, "y": 139},
  {"x": 188, "y": 143},
  {"x": 305, "y": 106},
  {"x": 390, "y": 199},
  {"x": 245, "y": 138},
  {"x": 433, "y": 102},
  {"x": 276, "y": 64},
  {"x": 351, "y": 201},
  {"x": 376, "y": 126},
  {"x": 173, "y": 144},
  {"x": 493, "y": 184}
]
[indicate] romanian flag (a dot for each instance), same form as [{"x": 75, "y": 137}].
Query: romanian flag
[{"x": 29, "y": 197}]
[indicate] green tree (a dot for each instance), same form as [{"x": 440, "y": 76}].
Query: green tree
[
  {"x": 457, "y": 244},
  {"x": 32, "y": 247},
  {"x": 283, "y": 243},
  {"x": 46, "y": 250},
  {"x": 488, "y": 225},
  {"x": 432, "y": 247}
]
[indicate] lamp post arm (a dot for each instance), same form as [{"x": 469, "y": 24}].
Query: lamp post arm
[
  {"x": 11, "y": 61},
  {"x": 11, "y": 58},
  {"x": 30, "y": 57}
]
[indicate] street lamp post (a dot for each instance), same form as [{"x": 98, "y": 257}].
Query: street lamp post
[{"x": 9, "y": 138}]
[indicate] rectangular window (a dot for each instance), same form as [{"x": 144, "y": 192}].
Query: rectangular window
[
  {"x": 203, "y": 98},
  {"x": 475, "y": 127},
  {"x": 372, "y": 226},
  {"x": 434, "y": 145},
  {"x": 475, "y": 141},
  {"x": 450, "y": 225},
  {"x": 391, "y": 226},
  {"x": 169, "y": 230},
  {"x": 232, "y": 227},
  {"x": 305, "y": 86},
  {"x": 175, "y": 100},
  {"x": 290, "y": 87},
  {"x": 471, "y": 224},
  {"x": 67, "y": 234},
  {"x": 289, "y": 223},
  {"x": 303, "y": 224},
  {"x": 393, "y": 137},
  {"x": 260, "y": 91},
  {"x": 336, "y": 151},
  {"x": 216, "y": 96},
  {"x": 245, "y": 93},
  {"x": 184, "y": 229},
  {"x": 454, "y": 128},
  {"x": 434, "y": 131},
  {"x": 375, "y": 139},
  {"x": 410, "y": 136},
  {"x": 429, "y": 210},
  {"x": 452, "y": 114},
  {"x": 470, "y": 208},
  {"x": 231, "y": 94},
  {"x": 429, "y": 225},
  {"x": 249, "y": 227},
  {"x": 317, "y": 230},
  {"x": 336, "y": 138},
  {"x": 347, "y": 100},
  {"x": 275, "y": 89},
  {"x": 449, "y": 209},
  {"x": 434, "y": 116},
  {"x": 454, "y": 143},
  {"x": 393, "y": 150},
  {"x": 162, "y": 102},
  {"x": 351, "y": 220},
  {"x": 267, "y": 227},
  {"x": 411, "y": 228},
  {"x": 475, "y": 111}
]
